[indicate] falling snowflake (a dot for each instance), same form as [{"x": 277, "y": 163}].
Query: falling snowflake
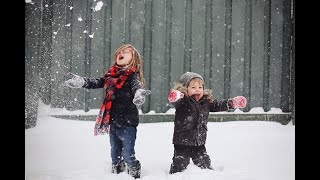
[{"x": 98, "y": 6}]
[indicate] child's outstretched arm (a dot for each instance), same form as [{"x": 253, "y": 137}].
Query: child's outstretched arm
[
  {"x": 76, "y": 81},
  {"x": 139, "y": 92},
  {"x": 226, "y": 104}
]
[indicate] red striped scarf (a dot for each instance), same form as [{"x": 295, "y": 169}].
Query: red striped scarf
[{"x": 115, "y": 79}]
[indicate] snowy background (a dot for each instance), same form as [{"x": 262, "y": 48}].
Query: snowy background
[{"x": 59, "y": 149}]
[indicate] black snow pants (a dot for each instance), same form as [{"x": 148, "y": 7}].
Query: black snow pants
[{"x": 182, "y": 155}]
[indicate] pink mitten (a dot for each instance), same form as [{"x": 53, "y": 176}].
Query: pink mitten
[
  {"x": 239, "y": 102},
  {"x": 175, "y": 95}
]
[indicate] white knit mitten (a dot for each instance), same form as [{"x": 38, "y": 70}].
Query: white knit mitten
[
  {"x": 75, "y": 81},
  {"x": 140, "y": 96}
]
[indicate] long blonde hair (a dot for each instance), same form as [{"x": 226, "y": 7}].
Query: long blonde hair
[{"x": 136, "y": 60}]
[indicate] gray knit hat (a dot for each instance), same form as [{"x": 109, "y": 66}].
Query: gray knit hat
[{"x": 188, "y": 76}]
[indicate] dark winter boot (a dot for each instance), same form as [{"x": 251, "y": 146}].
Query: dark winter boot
[
  {"x": 179, "y": 164},
  {"x": 118, "y": 168},
  {"x": 134, "y": 171},
  {"x": 204, "y": 163},
  {"x": 200, "y": 157}
]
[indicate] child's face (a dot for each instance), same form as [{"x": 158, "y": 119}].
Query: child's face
[
  {"x": 124, "y": 57},
  {"x": 195, "y": 89}
]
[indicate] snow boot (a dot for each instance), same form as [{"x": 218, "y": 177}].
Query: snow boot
[
  {"x": 118, "y": 168},
  {"x": 134, "y": 171}
]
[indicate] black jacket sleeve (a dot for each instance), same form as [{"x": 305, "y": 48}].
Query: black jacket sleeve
[
  {"x": 179, "y": 102},
  {"x": 221, "y": 105},
  {"x": 93, "y": 83},
  {"x": 135, "y": 83}
]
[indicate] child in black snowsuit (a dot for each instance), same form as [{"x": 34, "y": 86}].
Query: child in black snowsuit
[
  {"x": 118, "y": 116},
  {"x": 193, "y": 103}
]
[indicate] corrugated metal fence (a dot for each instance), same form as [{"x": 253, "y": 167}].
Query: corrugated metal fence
[{"x": 241, "y": 47}]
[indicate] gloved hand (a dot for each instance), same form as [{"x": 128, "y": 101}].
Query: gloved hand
[
  {"x": 175, "y": 95},
  {"x": 75, "y": 81},
  {"x": 140, "y": 96},
  {"x": 239, "y": 102}
]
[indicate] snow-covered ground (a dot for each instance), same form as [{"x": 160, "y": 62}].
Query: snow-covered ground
[{"x": 59, "y": 149}]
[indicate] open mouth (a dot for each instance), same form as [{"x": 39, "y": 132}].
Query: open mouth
[
  {"x": 121, "y": 57},
  {"x": 196, "y": 97}
]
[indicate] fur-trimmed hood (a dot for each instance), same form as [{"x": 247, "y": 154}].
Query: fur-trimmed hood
[{"x": 207, "y": 93}]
